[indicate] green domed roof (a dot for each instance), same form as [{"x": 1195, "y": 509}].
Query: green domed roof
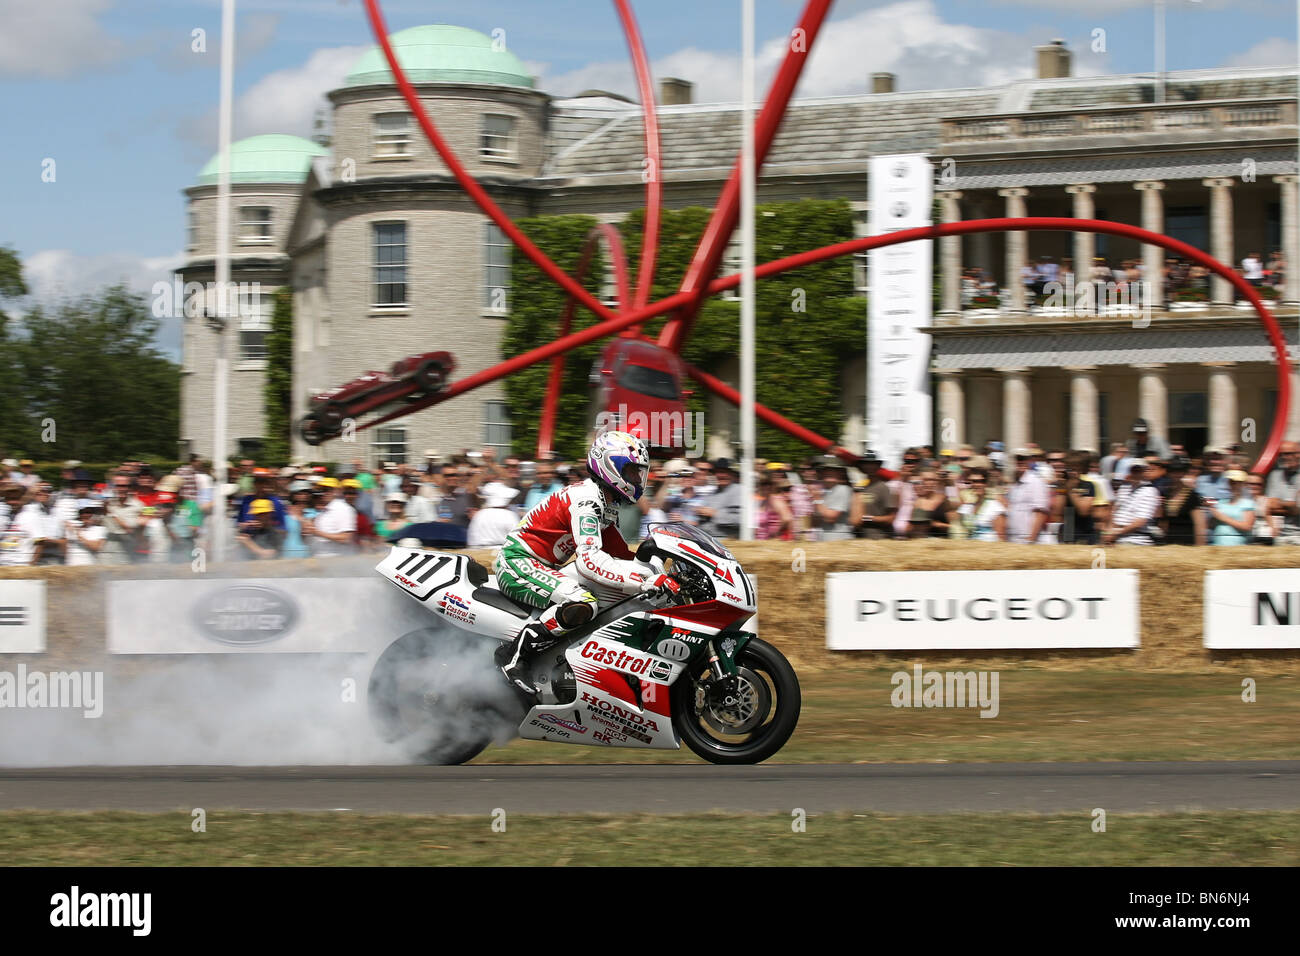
[
  {"x": 273, "y": 158},
  {"x": 442, "y": 54}
]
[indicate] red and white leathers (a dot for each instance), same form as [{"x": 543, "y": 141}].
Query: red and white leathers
[{"x": 577, "y": 522}]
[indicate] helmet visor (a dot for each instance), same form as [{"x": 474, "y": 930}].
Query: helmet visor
[{"x": 635, "y": 474}]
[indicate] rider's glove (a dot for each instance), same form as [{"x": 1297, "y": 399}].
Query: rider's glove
[{"x": 663, "y": 583}]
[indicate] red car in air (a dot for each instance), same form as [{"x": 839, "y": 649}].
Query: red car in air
[
  {"x": 639, "y": 390},
  {"x": 416, "y": 376}
]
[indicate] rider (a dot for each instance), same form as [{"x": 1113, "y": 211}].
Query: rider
[{"x": 575, "y": 521}]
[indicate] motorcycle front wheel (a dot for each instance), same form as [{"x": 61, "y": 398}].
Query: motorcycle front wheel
[{"x": 739, "y": 720}]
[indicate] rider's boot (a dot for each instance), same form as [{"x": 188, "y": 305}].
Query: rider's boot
[{"x": 515, "y": 659}]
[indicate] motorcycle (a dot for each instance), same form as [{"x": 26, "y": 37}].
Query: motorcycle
[{"x": 651, "y": 670}]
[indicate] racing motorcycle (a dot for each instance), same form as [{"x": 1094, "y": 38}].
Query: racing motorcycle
[{"x": 652, "y": 670}]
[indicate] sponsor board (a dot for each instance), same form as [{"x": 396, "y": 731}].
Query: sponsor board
[
  {"x": 22, "y": 617},
  {"x": 258, "y": 616},
  {"x": 957, "y": 610},
  {"x": 1256, "y": 609}
]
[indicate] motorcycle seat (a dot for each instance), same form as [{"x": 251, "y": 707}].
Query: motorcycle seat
[{"x": 504, "y": 602}]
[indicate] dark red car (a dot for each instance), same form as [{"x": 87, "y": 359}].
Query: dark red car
[
  {"x": 639, "y": 390},
  {"x": 416, "y": 376}
]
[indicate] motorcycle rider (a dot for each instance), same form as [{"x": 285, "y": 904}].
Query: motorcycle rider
[{"x": 574, "y": 521}]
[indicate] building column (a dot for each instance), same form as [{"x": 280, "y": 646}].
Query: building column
[
  {"x": 1017, "y": 247},
  {"x": 950, "y": 256},
  {"x": 1153, "y": 257},
  {"x": 1085, "y": 428},
  {"x": 1224, "y": 425},
  {"x": 1293, "y": 413},
  {"x": 1290, "y": 238},
  {"x": 1221, "y": 290},
  {"x": 1017, "y": 410},
  {"x": 1153, "y": 398},
  {"x": 1085, "y": 243},
  {"x": 952, "y": 408}
]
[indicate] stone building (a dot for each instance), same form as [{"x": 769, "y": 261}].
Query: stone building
[{"x": 387, "y": 257}]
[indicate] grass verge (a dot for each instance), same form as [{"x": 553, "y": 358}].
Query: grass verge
[{"x": 841, "y": 839}]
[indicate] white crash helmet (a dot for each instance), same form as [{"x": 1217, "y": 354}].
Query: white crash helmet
[{"x": 620, "y": 462}]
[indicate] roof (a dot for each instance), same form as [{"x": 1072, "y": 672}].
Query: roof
[
  {"x": 271, "y": 158},
  {"x": 441, "y": 53}
]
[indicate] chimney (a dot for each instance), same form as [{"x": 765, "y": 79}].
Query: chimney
[
  {"x": 1053, "y": 60},
  {"x": 883, "y": 82},
  {"x": 674, "y": 92}
]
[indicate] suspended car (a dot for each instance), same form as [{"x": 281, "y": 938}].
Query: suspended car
[{"x": 410, "y": 378}]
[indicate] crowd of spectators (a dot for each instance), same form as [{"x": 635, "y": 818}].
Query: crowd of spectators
[
  {"x": 1142, "y": 491},
  {"x": 1183, "y": 279}
]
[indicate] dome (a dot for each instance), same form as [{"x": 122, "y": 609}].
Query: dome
[
  {"x": 442, "y": 54},
  {"x": 273, "y": 158}
]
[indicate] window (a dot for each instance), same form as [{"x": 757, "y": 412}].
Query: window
[
  {"x": 390, "y": 264},
  {"x": 861, "y": 260},
  {"x": 1189, "y": 420},
  {"x": 733, "y": 261},
  {"x": 496, "y": 271},
  {"x": 496, "y": 427},
  {"x": 391, "y": 135},
  {"x": 654, "y": 382},
  {"x": 254, "y": 225},
  {"x": 192, "y": 230},
  {"x": 254, "y": 323},
  {"x": 497, "y": 140},
  {"x": 389, "y": 444}
]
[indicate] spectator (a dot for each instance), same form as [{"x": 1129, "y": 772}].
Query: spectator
[
  {"x": 904, "y": 489},
  {"x": 417, "y": 509},
  {"x": 1282, "y": 491},
  {"x": 1184, "y": 517},
  {"x": 722, "y": 513},
  {"x": 833, "y": 502},
  {"x": 981, "y": 516},
  {"x": 1213, "y": 485},
  {"x": 773, "y": 518},
  {"x": 1265, "y": 531},
  {"x": 159, "y": 535},
  {"x": 874, "y": 506},
  {"x": 495, "y": 520},
  {"x": 298, "y": 515},
  {"x": 1142, "y": 443},
  {"x": 263, "y": 538},
  {"x": 124, "y": 522},
  {"x": 335, "y": 528},
  {"x": 86, "y": 534},
  {"x": 26, "y": 475},
  {"x": 1232, "y": 519},
  {"x": 1084, "y": 497},
  {"x": 929, "y": 509},
  {"x": 1028, "y": 501},
  {"x": 1252, "y": 269},
  {"x": 394, "y": 519},
  {"x": 352, "y": 491},
  {"x": 545, "y": 484},
  {"x": 1137, "y": 505}
]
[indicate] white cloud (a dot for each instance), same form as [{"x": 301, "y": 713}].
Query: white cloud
[
  {"x": 907, "y": 37},
  {"x": 55, "y": 38},
  {"x": 55, "y": 274},
  {"x": 1272, "y": 52},
  {"x": 285, "y": 101}
]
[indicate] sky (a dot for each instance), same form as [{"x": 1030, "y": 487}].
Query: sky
[{"x": 114, "y": 92}]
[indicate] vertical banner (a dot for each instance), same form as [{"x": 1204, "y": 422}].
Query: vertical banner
[{"x": 900, "y": 194}]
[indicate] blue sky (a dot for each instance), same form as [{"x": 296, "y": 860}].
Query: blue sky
[{"x": 112, "y": 92}]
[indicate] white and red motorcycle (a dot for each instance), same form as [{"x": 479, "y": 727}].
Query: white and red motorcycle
[{"x": 652, "y": 670}]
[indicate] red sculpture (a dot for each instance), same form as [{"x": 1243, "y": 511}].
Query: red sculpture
[{"x": 699, "y": 282}]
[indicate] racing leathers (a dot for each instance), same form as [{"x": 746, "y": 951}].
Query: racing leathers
[{"x": 578, "y": 522}]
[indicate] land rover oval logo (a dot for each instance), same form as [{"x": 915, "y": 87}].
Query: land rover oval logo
[{"x": 245, "y": 614}]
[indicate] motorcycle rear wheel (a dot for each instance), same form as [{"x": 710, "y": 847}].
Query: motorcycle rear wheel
[
  {"x": 415, "y": 700},
  {"x": 744, "y": 724}
]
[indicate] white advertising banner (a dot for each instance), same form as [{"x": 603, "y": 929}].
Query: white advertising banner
[
  {"x": 961, "y": 610},
  {"x": 1258, "y": 608},
  {"x": 260, "y": 616},
  {"x": 22, "y": 617},
  {"x": 900, "y": 193}
]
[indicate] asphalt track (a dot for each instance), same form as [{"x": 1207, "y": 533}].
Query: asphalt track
[{"x": 915, "y": 788}]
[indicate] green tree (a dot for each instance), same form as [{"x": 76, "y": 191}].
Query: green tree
[
  {"x": 92, "y": 380},
  {"x": 278, "y": 390},
  {"x": 15, "y": 429}
]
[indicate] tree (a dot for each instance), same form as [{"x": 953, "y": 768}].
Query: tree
[
  {"x": 91, "y": 383},
  {"x": 13, "y": 430},
  {"x": 278, "y": 391}
]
